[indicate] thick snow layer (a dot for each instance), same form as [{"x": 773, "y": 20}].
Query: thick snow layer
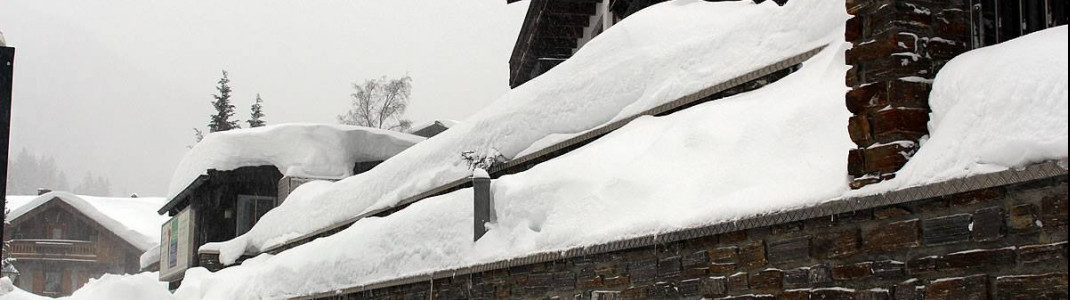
[
  {"x": 122, "y": 287},
  {"x": 655, "y": 56},
  {"x": 112, "y": 287},
  {"x": 304, "y": 150},
  {"x": 150, "y": 257},
  {"x": 133, "y": 219},
  {"x": 445, "y": 123},
  {"x": 994, "y": 108},
  {"x": 779, "y": 147},
  {"x": 9, "y": 291}
]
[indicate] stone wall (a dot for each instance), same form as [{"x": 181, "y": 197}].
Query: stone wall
[
  {"x": 1004, "y": 242},
  {"x": 898, "y": 46}
]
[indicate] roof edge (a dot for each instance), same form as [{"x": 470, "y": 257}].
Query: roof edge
[{"x": 171, "y": 203}]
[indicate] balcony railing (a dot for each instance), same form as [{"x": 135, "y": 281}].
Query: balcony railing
[{"x": 53, "y": 249}]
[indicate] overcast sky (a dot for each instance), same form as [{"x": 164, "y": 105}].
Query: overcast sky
[{"x": 115, "y": 87}]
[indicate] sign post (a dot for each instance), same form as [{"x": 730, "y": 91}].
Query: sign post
[
  {"x": 176, "y": 246},
  {"x": 7, "y": 66}
]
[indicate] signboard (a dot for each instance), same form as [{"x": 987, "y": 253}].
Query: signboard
[{"x": 176, "y": 245}]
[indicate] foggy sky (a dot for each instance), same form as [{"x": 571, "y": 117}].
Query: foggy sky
[{"x": 115, "y": 87}]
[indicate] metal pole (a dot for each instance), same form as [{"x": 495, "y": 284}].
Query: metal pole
[
  {"x": 7, "y": 65},
  {"x": 484, "y": 205}
]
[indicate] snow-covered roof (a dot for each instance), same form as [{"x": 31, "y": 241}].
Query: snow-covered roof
[
  {"x": 780, "y": 147},
  {"x": 444, "y": 123},
  {"x": 149, "y": 257},
  {"x": 305, "y": 150},
  {"x": 640, "y": 63},
  {"x": 133, "y": 219}
]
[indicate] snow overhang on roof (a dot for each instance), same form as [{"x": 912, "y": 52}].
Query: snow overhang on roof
[
  {"x": 122, "y": 219},
  {"x": 304, "y": 150}
]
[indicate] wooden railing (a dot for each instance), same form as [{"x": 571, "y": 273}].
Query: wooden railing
[{"x": 56, "y": 249}]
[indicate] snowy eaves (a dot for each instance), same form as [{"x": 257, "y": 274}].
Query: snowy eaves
[
  {"x": 132, "y": 219},
  {"x": 304, "y": 150}
]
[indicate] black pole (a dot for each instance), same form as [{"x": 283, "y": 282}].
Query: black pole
[
  {"x": 7, "y": 65},
  {"x": 484, "y": 205}
]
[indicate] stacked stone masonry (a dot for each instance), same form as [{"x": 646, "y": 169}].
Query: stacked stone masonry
[
  {"x": 898, "y": 46},
  {"x": 1007, "y": 242}
]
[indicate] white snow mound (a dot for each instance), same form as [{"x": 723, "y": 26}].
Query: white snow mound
[
  {"x": 779, "y": 147},
  {"x": 304, "y": 150},
  {"x": 657, "y": 55},
  {"x": 994, "y": 108}
]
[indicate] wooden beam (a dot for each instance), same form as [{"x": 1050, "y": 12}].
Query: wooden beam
[
  {"x": 555, "y": 31},
  {"x": 554, "y": 43},
  {"x": 552, "y": 52},
  {"x": 565, "y": 20},
  {"x": 571, "y": 8}
]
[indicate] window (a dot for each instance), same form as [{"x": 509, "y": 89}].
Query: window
[
  {"x": 996, "y": 21},
  {"x": 250, "y": 209}
]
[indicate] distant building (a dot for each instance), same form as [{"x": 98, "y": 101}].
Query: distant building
[
  {"x": 432, "y": 128},
  {"x": 60, "y": 240}
]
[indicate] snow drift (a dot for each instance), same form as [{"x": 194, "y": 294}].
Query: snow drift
[
  {"x": 777, "y": 148},
  {"x": 784, "y": 144},
  {"x": 642, "y": 62},
  {"x": 994, "y": 108},
  {"x": 305, "y": 150}
]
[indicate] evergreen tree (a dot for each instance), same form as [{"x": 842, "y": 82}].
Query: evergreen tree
[
  {"x": 94, "y": 185},
  {"x": 221, "y": 120},
  {"x": 27, "y": 172},
  {"x": 256, "y": 114}
]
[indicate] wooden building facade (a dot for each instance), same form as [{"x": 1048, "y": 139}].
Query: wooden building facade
[
  {"x": 59, "y": 247},
  {"x": 215, "y": 207}
]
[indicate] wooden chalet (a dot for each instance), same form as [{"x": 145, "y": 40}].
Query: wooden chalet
[{"x": 60, "y": 240}]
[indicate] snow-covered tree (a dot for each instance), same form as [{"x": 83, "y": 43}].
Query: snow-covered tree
[
  {"x": 221, "y": 120},
  {"x": 27, "y": 172},
  {"x": 380, "y": 103},
  {"x": 256, "y": 113}
]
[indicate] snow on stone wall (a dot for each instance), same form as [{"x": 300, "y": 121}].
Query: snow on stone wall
[{"x": 994, "y": 108}]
